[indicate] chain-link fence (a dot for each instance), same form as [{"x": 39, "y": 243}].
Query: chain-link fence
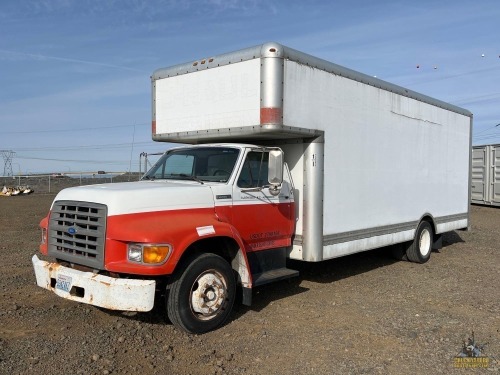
[{"x": 55, "y": 183}]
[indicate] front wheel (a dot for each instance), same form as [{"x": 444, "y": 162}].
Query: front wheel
[
  {"x": 201, "y": 296},
  {"x": 420, "y": 249}
]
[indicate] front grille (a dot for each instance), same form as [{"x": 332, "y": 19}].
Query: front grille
[{"x": 77, "y": 232}]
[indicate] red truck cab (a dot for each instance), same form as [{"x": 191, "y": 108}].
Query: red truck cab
[{"x": 204, "y": 221}]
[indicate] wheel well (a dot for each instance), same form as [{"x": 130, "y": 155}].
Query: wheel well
[
  {"x": 225, "y": 247},
  {"x": 428, "y": 218}
]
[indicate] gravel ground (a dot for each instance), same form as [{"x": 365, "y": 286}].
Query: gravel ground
[{"x": 361, "y": 314}]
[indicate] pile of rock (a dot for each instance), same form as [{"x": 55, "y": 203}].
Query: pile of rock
[{"x": 16, "y": 190}]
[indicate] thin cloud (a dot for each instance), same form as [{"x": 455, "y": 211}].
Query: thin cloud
[{"x": 34, "y": 56}]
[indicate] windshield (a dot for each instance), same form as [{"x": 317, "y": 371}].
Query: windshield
[{"x": 198, "y": 163}]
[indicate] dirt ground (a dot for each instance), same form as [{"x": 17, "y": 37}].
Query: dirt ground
[{"x": 361, "y": 314}]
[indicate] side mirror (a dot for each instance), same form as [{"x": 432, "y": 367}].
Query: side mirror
[{"x": 275, "y": 171}]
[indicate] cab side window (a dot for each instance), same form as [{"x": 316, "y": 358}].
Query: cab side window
[{"x": 254, "y": 171}]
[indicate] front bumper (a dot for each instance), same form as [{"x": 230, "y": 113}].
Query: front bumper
[{"x": 93, "y": 289}]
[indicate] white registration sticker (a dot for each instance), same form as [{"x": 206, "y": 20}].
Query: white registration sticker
[
  {"x": 205, "y": 231},
  {"x": 63, "y": 282}
]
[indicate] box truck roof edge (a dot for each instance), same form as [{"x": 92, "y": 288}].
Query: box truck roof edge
[{"x": 277, "y": 50}]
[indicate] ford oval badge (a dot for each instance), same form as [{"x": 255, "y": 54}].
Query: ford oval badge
[{"x": 72, "y": 230}]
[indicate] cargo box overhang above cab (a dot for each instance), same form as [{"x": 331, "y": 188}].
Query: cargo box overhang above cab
[
  {"x": 248, "y": 134},
  {"x": 232, "y": 97},
  {"x": 239, "y": 97}
]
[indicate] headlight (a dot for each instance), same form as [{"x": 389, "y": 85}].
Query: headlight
[
  {"x": 148, "y": 253},
  {"x": 135, "y": 253}
]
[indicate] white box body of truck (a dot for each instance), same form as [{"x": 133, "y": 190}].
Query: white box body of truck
[
  {"x": 486, "y": 175},
  {"x": 369, "y": 160}
]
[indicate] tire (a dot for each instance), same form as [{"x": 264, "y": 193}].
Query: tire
[
  {"x": 420, "y": 249},
  {"x": 201, "y": 296}
]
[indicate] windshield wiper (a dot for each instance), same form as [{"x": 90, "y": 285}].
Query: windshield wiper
[
  {"x": 189, "y": 177},
  {"x": 186, "y": 177}
]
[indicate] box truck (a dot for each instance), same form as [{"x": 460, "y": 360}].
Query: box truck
[
  {"x": 486, "y": 175},
  {"x": 284, "y": 156}
]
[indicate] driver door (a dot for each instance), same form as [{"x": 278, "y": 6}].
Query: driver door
[{"x": 264, "y": 221}]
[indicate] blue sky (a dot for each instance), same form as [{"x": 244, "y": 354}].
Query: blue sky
[{"x": 74, "y": 74}]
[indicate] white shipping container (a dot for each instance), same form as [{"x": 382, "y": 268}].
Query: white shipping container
[{"x": 485, "y": 188}]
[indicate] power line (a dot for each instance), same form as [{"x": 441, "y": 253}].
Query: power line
[
  {"x": 485, "y": 130},
  {"x": 450, "y": 76},
  {"x": 84, "y": 147},
  {"x": 477, "y": 99},
  {"x": 74, "y": 160},
  {"x": 480, "y": 137},
  {"x": 486, "y": 137},
  {"x": 72, "y": 129}
]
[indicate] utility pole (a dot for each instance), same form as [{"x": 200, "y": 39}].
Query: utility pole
[{"x": 8, "y": 155}]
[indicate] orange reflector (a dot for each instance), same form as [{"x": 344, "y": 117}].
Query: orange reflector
[{"x": 155, "y": 254}]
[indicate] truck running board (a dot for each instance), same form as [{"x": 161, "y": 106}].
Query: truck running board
[
  {"x": 273, "y": 275},
  {"x": 269, "y": 265}
]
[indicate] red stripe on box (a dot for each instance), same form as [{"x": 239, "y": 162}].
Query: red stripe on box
[{"x": 271, "y": 116}]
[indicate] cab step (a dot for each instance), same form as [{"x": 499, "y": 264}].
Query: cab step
[
  {"x": 273, "y": 275},
  {"x": 269, "y": 266}
]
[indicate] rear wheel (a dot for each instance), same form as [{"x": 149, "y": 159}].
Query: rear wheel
[
  {"x": 201, "y": 296},
  {"x": 420, "y": 249}
]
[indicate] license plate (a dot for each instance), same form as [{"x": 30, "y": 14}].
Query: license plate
[{"x": 63, "y": 282}]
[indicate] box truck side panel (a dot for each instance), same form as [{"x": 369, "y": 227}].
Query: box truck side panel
[
  {"x": 389, "y": 157},
  {"x": 210, "y": 99}
]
